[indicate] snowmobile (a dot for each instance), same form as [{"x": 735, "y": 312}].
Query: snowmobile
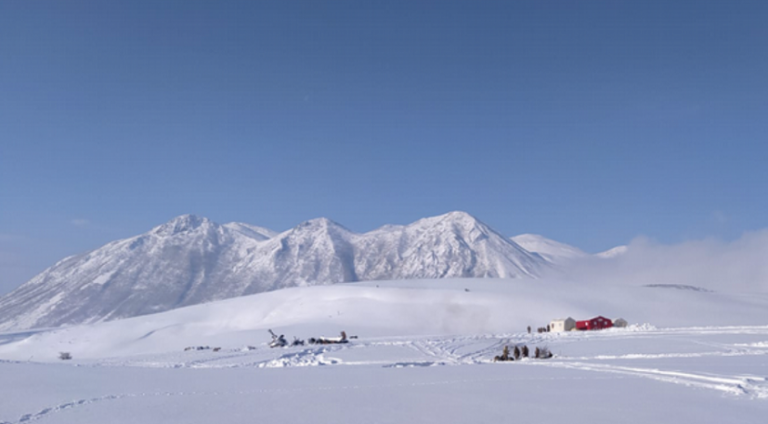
[{"x": 277, "y": 341}]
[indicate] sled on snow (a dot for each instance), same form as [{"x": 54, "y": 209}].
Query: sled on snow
[{"x": 330, "y": 340}]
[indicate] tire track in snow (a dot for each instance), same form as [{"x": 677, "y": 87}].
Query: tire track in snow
[
  {"x": 433, "y": 349},
  {"x": 752, "y": 386},
  {"x": 729, "y": 353}
]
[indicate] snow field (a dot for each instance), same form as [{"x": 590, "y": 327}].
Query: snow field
[
  {"x": 423, "y": 354},
  {"x": 383, "y": 309},
  {"x": 701, "y": 375}
]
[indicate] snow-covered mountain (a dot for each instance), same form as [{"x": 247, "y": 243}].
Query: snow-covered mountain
[
  {"x": 552, "y": 251},
  {"x": 252, "y": 231},
  {"x": 558, "y": 253},
  {"x": 191, "y": 260},
  {"x": 613, "y": 253}
]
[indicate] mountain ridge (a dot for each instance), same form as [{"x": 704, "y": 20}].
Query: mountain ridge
[
  {"x": 190, "y": 260},
  {"x": 550, "y": 250}
]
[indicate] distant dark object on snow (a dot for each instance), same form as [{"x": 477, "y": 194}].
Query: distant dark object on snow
[
  {"x": 542, "y": 353},
  {"x": 679, "y": 287},
  {"x": 504, "y": 357},
  {"x": 466, "y": 290},
  {"x": 539, "y": 353},
  {"x": 330, "y": 340},
  {"x": 196, "y": 348},
  {"x": 64, "y": 356},
  {"x": 277, "y": 341}
]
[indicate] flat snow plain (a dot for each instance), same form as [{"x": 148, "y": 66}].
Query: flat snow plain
[{"x": 424, "y": 354}]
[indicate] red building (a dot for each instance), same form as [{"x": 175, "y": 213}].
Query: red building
[{"x": 596, "y": 323}]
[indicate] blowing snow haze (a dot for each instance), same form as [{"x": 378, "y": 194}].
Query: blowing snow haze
[{"x": 738, "y": 265}]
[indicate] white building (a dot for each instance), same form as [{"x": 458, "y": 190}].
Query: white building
[
  {"x": 620, "y": 322},
  {"x": 566, "y": 324}
]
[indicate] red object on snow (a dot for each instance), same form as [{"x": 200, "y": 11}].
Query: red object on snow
[{"x": 596, "y": 323}]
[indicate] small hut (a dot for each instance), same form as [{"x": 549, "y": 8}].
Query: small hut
[
  {"x": 566, "y": 324},
  {"x": 620, "y": 322}
]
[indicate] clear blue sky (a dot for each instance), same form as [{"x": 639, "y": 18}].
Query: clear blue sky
[{"x": 587, "y": 122}]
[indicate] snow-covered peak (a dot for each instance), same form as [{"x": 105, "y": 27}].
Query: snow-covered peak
[
  {"x": 548, "y": 249},
  {"x": 456, "y": 218},
  {"x": 319, "y": 223},
  {"x": 182, "y": 224},
  {"x": 612, "y": 253},
  {"x": 387, "y": 228},
  {"x": 318, "y": 227},
  {"x": 457, "y": 222},
  {"x": 252, "y": 231}
]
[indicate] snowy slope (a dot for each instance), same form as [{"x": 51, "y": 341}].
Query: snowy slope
[
  {"x": 424, "y": 353},
  {"x": 560, "y": 253},
  {"x": 451, "y": 245},
  {"x": 613, "y": 253},
  {"x": 700, "y": 375},
  {"x": 172, "y": 265},
  {"x": 548, "y": 249},
  {"x": 192, "y": 260},
  {"x": 387, "y": 309},
  {"x": 252, "y": 231}
]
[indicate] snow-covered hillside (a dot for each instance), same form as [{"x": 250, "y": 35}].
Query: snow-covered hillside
[
  {"x": 560, "y": 253},
  {"x": 192, "y": 260},
  {"x": 701, "y": 375},
  {"x": 552, "y": 251},
  {"x": 613, "y": 253},
  {"x": 252, "y": 231},
  {"x": 390, "y": 308},
  {"x": 423, "y": 350}
]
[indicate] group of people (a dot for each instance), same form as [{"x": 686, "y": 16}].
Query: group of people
[{"x": 518, "y": 353}]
